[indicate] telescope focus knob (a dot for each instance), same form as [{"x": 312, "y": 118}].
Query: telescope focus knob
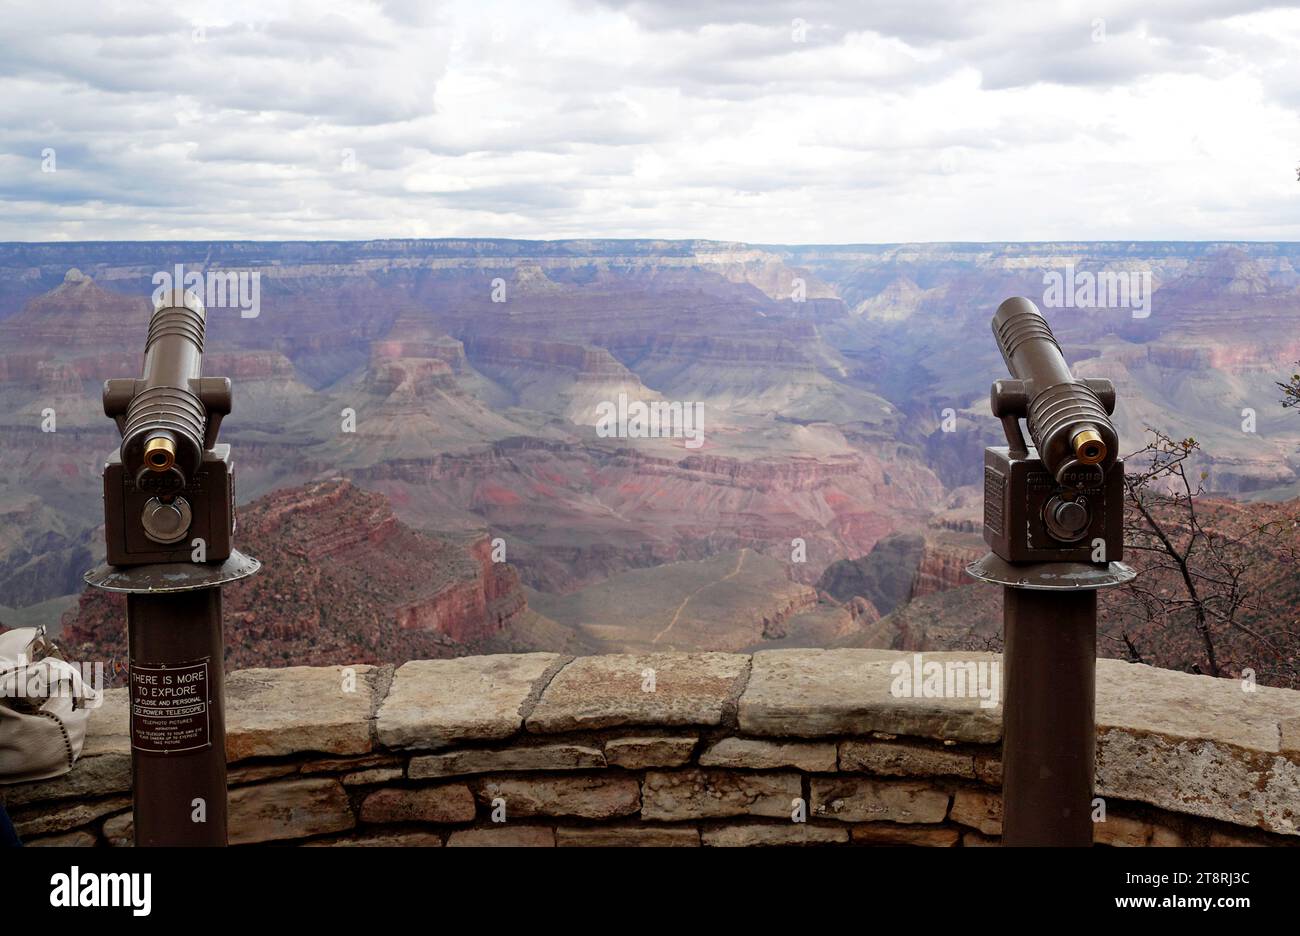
[
  {"x": 1066, "y": 519},
  {"x": 166, "y": 521}
]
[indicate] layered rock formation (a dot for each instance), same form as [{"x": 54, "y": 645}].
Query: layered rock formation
[
  {"x": 459, "y": 379},
  {"x": 905, "y": 566},
  {"x": 348, "y": 580},
  {"x": 1245, "y": 561}
]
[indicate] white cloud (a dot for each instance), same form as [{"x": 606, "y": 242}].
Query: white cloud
[{"x": 890, "y": 121}]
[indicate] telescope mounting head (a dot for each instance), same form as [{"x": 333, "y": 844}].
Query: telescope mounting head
[
  {"x": 1060, "y": 499},
  {"x": 169, "y": 485}
]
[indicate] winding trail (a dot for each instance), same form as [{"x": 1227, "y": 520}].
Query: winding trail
[{"x": 740, "y": 562}]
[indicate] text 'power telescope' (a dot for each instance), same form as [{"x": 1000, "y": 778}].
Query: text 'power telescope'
[
  {"x": 1062, "y": 500},
  {"x": 169, "y": 490}
]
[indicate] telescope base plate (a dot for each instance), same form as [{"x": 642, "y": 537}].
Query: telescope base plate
[
  {"x": 1050, "y": 576},
  {"x": 165, "y": 577}
]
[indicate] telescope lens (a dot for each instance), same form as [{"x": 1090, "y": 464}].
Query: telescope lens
[
  {"x": 159, "y": 454},
  {"x": 1089, "y": 448}
]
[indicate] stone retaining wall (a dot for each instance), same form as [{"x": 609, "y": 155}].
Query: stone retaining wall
[{"x": 687, "y": 749}]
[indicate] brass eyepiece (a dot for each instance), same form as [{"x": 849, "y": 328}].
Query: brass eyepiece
[
  {"x": 159, "y": 454},
  {"x": 1089, "y": 447}
]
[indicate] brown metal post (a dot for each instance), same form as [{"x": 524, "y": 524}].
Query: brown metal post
[
  {"x": 1049, "y": 735},
  {"x": 178, "y": 731}
]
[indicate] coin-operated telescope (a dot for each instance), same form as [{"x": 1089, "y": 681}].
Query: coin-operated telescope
[
  {"x": 1053, "y": 517},
  {"x": 169, "y": 521},
  {"x": 170, "y": 484},
  {"x": 1063, "y": 500}
]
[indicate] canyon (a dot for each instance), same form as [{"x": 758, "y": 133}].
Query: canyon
[
  {"x": 348, "y": 581},
  {"x": 435, "y": 397}
]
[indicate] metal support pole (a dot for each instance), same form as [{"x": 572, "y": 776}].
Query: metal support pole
[
  {"x": 1049, "y": 735},
  {"x": 176, "y": 693},
  {"x": 178, "y": 753}
]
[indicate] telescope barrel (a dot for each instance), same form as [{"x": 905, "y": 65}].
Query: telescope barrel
[
  {"x": 166, "y": 421},
  {"x": 1067, "y": 419},
  {"x": 169, "y": 490}
]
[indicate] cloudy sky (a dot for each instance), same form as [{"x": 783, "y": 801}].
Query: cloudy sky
[{"x": 770, "y": 122}]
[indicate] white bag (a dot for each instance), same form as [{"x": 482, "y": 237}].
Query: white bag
[{"x": 44, "y": 706}]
